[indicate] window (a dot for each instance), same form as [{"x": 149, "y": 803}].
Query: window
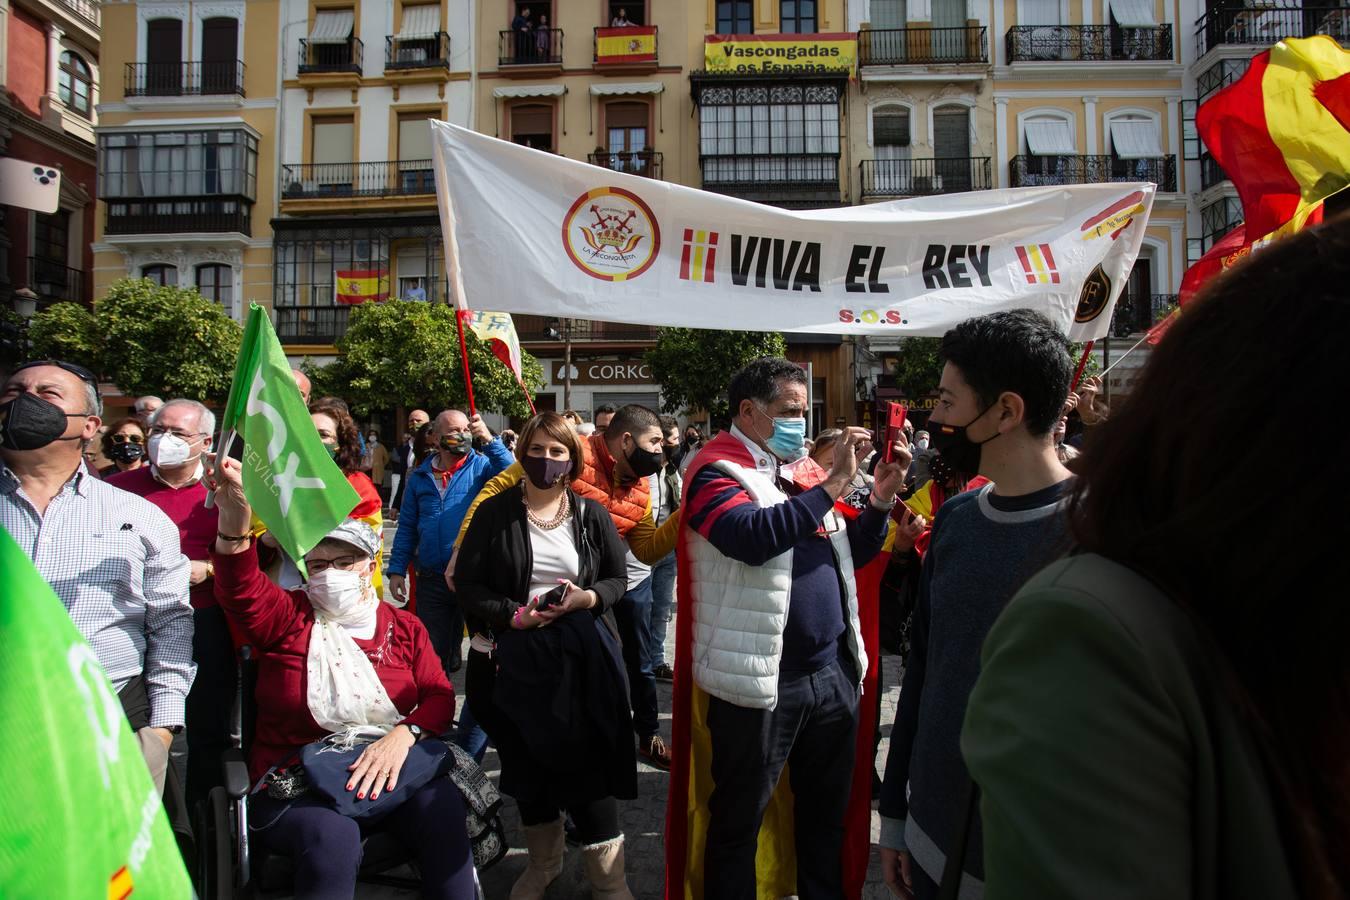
[
  {"x": 1050, "y": 150},
  {"x": 797, "y": 16},
  {"x": 951, "y": 147},
  {"x": 759, "y": 133},
  {"x": 888, "y": 14},
  {"x": 735, "y": 17},
  {"x": 626, "y": 12},
  {"x": 178, "y": 164},
  {"x": 51, "y": 276},
  {"x": 532, "y": 126},
  {"x": 220, "y": 48},
  {"x": 1136, "y": 148},
  {"x": 161, "y": 275},
  {"x": 414, "y": 282},
  {"x": 76, "y": 84},
  {"x": 329, "y": 45},
  {"x": 626, "y": 136},
  {"x": 332, "y": 151},
  {"x": 414, "y": 154},
  {"x": 890, "y": 132},
  {"x": 1217, "y": 219},
  {"x": 215, "y": 282},
  {"x": 164, "y": 57}
]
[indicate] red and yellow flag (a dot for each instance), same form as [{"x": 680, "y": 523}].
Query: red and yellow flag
[
  {"x": 627, "y": 44},
  {"x": 362, "y": 285}
]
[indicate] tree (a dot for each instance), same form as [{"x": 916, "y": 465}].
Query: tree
[
  {"x": 146, "y": 338},
  {"x": 918, "y": 369},
  {"x": 407, "y": 353},
  {"x": 693, "y": 365}
]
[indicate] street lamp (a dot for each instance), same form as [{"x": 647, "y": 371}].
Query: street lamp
[
  {"x": 25, "y": 302},
  {"x": 562, "y": 331}
]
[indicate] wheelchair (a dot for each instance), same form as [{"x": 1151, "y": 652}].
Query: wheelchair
[{"x": 228, "y": 867}]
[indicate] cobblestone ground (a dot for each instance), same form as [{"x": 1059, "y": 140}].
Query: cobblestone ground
[{"x": 643, "y": 818}]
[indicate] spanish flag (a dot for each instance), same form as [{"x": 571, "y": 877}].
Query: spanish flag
[
  {"x": 362, "y": 285},
  {"x": 629, "y": 44}
]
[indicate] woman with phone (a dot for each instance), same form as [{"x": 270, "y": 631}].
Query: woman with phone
[{"x": 536, "y": 574}]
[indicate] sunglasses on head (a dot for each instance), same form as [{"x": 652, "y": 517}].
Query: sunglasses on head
[{"x": 79, "y": 372}]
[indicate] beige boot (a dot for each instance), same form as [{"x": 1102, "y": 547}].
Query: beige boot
[
  {"x": 545, "y": 843},
  {"x": 604, "y": 870}
]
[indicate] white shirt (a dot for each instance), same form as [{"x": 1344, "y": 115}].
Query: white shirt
[{"x": 555, "y": 556}]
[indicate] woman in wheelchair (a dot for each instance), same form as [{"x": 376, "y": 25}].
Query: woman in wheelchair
[{"x": 333, "y": 659}]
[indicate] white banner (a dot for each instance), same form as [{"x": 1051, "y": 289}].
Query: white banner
[{"x": 530, "y": 232}]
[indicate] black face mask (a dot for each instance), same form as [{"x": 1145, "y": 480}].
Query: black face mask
[
  {"x": 670, "y": 452},
  {"x": 126, "y": 453},
  {"x": 645, "y": 462},
  {"x": 29, "y": 422},
  {"x": 955, "y": 447},
  {"x": 543, "y": 472}
]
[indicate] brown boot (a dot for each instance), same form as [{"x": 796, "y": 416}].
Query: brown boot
[
  {"x": 545, "y": 843},
  {"x": 604, "y": 870}
]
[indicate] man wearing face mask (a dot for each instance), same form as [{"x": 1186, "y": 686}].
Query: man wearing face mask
[
  {"x": 772, "y": 638},
  {"x": 615, "y": 473},
  {"x": 179, "y": 439},
  {"x": 436, "y": 497},
  {"x": 1003, "y": 387},
  {"x": 112, "y": 558}
]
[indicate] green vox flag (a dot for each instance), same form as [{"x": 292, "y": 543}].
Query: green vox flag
[
  {"x": 86, "y": 821},
  {"x": 294, "y": 487}
]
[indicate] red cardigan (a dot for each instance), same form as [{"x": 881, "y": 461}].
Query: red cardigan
[{"x": 278, "y": 624}]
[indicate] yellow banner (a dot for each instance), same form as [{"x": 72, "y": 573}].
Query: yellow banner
[
  {"x": 769, "y": 54},
  {"x": 627, "y": 44}
]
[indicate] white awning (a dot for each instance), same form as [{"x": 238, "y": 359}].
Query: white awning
[
  {"x": 332, "y": 26},
  {"x": 1133, "y": 13},
  {"x": 632, "y": 87},
  {"x": 533, "y": 90},
  {"x": 1050, "y": 137},
  {"x": 421, "y": 21},
  {"x": 1136, "y": 139}
]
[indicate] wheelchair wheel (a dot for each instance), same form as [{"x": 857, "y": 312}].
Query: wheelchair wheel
[{"x": 216, "y": 847}]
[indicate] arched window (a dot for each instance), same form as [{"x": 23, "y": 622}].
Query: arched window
[
  {"x": 216, "y": 282},
  {"x": 76, "y": 84},
  {"x": 161, "y": 274}
]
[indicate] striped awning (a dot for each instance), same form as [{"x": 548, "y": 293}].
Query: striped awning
[
  {"x": 533, "y": 90},
  {"x": 1050, "y": 137},
  {"x": 332, "y": 26},
  {"x": 1133, "y": 13},
  {"x": 1136, "y": 139},
  {"x": 632, "y": 87},
  {"x": 421, "y": 21}
]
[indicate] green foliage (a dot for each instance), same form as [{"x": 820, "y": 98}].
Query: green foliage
[
  {"x": 146, "y": 338},
  {"x": 693, "y": 365},
  {"x": 918, "y": 369},
  {"x": 405, "y": 353},
  {"x": 12, "y": 339},
  {"x": 1094, "y": 364}
]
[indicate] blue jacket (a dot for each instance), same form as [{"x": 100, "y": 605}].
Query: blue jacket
[{"x": 428, "y": 524}]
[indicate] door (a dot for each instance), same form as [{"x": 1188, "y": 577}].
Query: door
[
  {"x": 949, "y": 29},
  {"x": 164, "y": 57},
  {"x": 951, "y": 146},
  {"x": 890, "y": 143},
  {"x": 1139, "y": 296},
  {"x": 532, "y": 125},
  {"x": 333, "y": 155},
  {"x": 886, "y": 37},
  {"x": 626, "y": 137},
  {"x": 219, "y": 53}
]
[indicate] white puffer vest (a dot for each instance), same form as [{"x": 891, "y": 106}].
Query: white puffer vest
[{"x": 740, "y": 610}]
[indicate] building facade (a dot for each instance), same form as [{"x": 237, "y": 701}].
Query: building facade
[{"x": 49, "y": 91}]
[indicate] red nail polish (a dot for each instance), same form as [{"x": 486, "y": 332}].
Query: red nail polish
[{"x": 361, "y": 796}]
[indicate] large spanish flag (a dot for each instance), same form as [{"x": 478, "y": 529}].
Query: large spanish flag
[
  {"x": 627, "y": 44},
  {"x": 362, "y": 285}
]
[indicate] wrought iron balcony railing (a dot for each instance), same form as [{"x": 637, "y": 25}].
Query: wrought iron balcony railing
[
  {"x": 53, "y": 280},
  {"x": 1032, "y": 171},
  {"x": 1265, "y": 25},
  {"x": 316, "y": 324},
  {"x": 923, "y": 46},
  {"x": 530, "y": 48},
  {"x": 85, "y": 9},
  {"x": 187, "y": 79},
  {"x": 923, "y": 177},
  {"x": 1137, "y": 313},
  {"x": 763, "y": 171},
  {"x": 169, "y": 215},
  {"x": 403, "y": 53},
  {"x": 1088, "y": 43},
  {"x": 320, "y": 58},
  {"x": 646, "y": 163},
  {"x": 536, "y": 329},
  {"x": 391, "y": 178}
]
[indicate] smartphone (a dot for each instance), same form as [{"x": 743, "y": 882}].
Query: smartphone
[
  {"x": 31, "y": 185},
  {"x": 552, "y": 598},
  {"x": 895, "y": 426}
]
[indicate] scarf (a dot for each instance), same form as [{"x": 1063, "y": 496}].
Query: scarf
[{"x": 344, "y": 694}]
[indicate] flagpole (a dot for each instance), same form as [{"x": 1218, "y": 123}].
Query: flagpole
[
  {"x": 1082, "y": 364},
  {"x": 528, "y": 398},
  {"x": 1123, "y": 355},
  {"x": 464, "y": 355},
  {"x": 224, "y": 447}
]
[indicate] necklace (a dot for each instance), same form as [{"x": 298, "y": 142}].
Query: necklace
[{"x": 564, "y": 508}]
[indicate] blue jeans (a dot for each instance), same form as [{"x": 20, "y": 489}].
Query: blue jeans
[
  {"x": 663, "y": 598},
  {"x": 633, "y": 614},
  {"x": 469, "y": 736}
]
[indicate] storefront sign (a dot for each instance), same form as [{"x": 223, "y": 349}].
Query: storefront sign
[
  {"x": 778, "y": 54},
  {"x": 605, "y": 371}
]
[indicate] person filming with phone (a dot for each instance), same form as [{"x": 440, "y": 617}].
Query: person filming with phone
[{"x": 537, "y": 573}]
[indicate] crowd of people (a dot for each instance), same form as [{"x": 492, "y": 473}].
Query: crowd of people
[{"x": 1120, "y": 679}]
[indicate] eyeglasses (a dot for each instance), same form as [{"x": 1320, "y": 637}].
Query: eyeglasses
[
  {"x": 128, "y": 439},
  {"x": 79, "y": 372},
  {"x": 184, "y": 435},
  {"x": 341, "y": 563}
]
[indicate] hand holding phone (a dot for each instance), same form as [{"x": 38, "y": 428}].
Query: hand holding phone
[
  {"x": 552, "y": 598},
  {"x": 895, "y": 427}
]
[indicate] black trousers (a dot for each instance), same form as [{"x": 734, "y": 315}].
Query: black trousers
[
  {"x": 209, "y": 702},
  {"x": 813, "y": 728},
  {"x": 440, "y": 613}
]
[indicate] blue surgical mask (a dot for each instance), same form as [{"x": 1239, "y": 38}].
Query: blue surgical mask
[{"x": 788, "y": 441}]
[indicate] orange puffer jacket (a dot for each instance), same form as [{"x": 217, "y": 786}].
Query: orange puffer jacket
[{"x": 626, "y": 505}]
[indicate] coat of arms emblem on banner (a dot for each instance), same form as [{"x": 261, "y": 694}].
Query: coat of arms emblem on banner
[{"x": 611, "y": 234}]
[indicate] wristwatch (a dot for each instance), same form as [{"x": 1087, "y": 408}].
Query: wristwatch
[
  {"x": 174, "y": 729},
  {"x": 416, "y": 731}
]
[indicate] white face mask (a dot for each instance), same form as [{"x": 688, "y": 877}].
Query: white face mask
[
  {"x": 168, "y": 450},
  {"x": 922, "y": 443},
  {"x": 345, "y": 597}
]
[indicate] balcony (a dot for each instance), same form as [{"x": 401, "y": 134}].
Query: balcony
[
  {"x": 54, "y": 281},
  {"x": 315, "y": 324},
  {"x": 85, "y": 9},
  {"x": 344, "y": 58},
  {"x": 1039, "y": 171},
  {"x": 392, "y": 178},
  {"x": 1089, "y": 43},
  {"x": 1265, "y": 25},
  {"x": 191, "y": 79},
  {"x": 924, "y": 177},
  {"x": 1137, "y": 313},
  {"x": 193, "y": 215},
  {"x": 1211, "y": 174},
  {"x": 801, "y": 181},
  {"x": 630, "y": 48},
  {"x": 646, "y": 163},
  {"x": 546, "y": 329},
  {"x": 532, "y": 49},
  {"x": 412, "y": 54},
  {"x": 923, "y": 46}
]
